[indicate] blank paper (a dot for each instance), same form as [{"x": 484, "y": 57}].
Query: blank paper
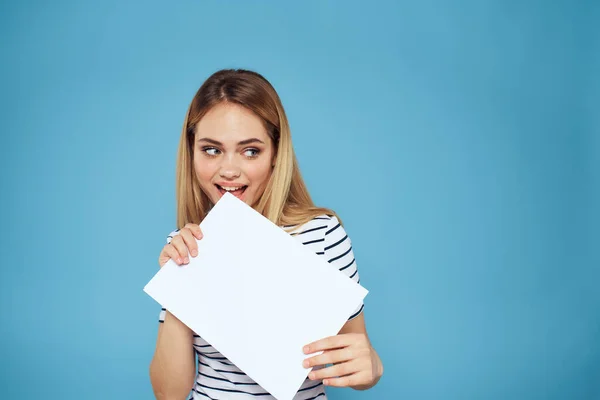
[{"x": 257, "y": 295}]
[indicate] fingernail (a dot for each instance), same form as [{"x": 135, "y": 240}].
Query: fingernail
[
  {"x": 306, "y": 364},
  {"x": 187, "y": 260},
  {"x": 311, "y": 375},
  {"x": 179, "y": 261},
  {"x": 306, "y": 349},
  {"x": 194, "y": 253}
]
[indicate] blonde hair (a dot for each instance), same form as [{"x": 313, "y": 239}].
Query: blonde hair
[{"x": 285, "y": 201}]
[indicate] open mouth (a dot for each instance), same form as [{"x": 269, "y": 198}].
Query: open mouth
[{"x": 237, "y": 191}]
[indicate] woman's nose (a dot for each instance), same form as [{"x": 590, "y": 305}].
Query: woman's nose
[{"x": 229, "y": 170}]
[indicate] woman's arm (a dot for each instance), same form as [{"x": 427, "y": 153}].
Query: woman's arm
[
  {"x": 173, "y": 370},
  {"x": 355, "y": 362}
]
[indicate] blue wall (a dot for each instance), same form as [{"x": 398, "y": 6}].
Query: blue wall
[{"x": 459, "y": 142}]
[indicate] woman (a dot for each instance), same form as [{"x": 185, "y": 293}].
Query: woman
[{"x": 236, "y": 139}]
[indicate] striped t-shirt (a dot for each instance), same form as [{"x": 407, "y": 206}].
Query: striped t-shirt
[{"x": 217, "y": 377}]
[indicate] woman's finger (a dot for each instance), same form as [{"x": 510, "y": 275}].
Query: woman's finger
[
  {"x": 330, "y": 357},
  {"x": 190, "y": 241},
  {"x": 342, "y": 369},
  {"x": 169, "y": 252},
  {"x": 348, "y": 380},
  {"x": 181, "y": 247},
  {"x": 332, "y": 342},
  {"x": 195, "y": 228}
]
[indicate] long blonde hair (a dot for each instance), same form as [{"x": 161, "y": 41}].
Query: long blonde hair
[{"x": 285, "y": 201}]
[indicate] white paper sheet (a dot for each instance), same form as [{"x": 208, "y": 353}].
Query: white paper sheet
[{"x": 257, "y": 295}]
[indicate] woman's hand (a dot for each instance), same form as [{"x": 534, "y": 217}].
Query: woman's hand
[
  {"x": 182, "y": 246},
  {"x": 356, "y": 363}
]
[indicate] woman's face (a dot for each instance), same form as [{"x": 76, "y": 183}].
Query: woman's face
[{"x": 232, "y": 152}]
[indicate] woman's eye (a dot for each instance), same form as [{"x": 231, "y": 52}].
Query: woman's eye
[
  {"x": 251, "y": 153},
  {"x": 211, "y": 151}
]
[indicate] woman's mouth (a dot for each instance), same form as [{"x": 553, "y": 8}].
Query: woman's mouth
[{"x": 237, "y": 191}]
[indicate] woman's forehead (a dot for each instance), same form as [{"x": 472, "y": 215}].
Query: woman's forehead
[{"x": 230, "y": 123}]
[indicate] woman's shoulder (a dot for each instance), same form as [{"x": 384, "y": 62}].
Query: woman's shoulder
[{"x": 321, "y": 223}]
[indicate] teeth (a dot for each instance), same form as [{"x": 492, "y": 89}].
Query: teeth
[{"x": 231, "y": 189}]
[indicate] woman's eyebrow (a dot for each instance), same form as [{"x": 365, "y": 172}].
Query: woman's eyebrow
[
  {"x": 211, "y": 141},
  {"x": 242, "y": 143},
  {"x": 248, "y": 141}
]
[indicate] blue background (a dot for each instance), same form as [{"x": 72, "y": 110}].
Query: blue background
[{"x": 459, "y": 142}]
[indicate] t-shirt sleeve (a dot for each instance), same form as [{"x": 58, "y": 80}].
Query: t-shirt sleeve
[
  {"x": 163, "y": 311},
  {"x": 338, "y": 251}
]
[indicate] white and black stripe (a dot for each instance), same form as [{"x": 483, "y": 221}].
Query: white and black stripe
[{"x": 217, "y": 377}]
